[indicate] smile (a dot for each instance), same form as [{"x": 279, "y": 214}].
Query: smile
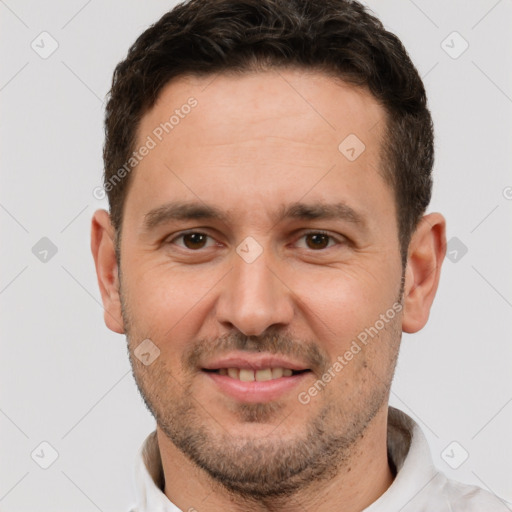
[
  {"x": 250, "y": 386},
  {"x": 249, "y": 375}
]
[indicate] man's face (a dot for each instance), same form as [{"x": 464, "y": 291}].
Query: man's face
[{"x": 273, "y": 283}]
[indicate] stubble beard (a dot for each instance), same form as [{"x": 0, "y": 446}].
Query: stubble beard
[{"x": 267, "y": 468}]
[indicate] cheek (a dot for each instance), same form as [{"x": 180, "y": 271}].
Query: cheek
[
  {"x": 341, "y": 304},
  {"x": 166, "y": 304}
]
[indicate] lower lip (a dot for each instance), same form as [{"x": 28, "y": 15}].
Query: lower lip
[{"x": 255, "y": 391}]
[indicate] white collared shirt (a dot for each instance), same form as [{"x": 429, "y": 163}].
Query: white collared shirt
[{"x": 417, "y": 487}]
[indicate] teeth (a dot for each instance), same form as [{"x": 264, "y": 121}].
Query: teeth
[
  {"x": 277, "y": 373},
  {"x": 233, "y": 373},
  {"x": 247, "y": 375},
  {"x": 262, "y": 375}
]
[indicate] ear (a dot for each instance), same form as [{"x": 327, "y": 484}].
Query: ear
[
  {"x": 425, "y": 257},
  {"x": 103, "y": 251}
]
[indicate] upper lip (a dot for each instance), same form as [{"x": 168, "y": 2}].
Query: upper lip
[{"x": 254, "y": 362}]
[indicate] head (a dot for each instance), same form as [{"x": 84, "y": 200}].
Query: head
[{"x": 268, "y": 166}]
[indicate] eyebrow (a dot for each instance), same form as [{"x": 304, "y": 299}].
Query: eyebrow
[{"x": 181, "y": 211}]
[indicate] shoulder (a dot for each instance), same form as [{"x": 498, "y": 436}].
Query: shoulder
[{"x": 469, "y": 498}]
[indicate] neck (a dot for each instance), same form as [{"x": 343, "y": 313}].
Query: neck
[{"x": 357, "y": 484}]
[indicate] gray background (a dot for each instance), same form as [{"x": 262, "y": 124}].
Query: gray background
[{"x": 65, "y": 379}]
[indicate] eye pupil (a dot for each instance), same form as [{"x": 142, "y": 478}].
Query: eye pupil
[
  {"x": 194, "y": 240},
  {"x": 320, "y": 241}
]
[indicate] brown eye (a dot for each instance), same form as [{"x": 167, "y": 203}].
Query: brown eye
[
  {"x": 317, "y": 240},
  {"x": 194, "y": 240}
]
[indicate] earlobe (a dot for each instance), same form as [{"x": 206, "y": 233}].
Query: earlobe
[
  {"x": 103, "y": 251},
  {"x": 425, "y": 257}
]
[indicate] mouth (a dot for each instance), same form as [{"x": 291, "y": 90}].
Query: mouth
[
  {"x": 260, "y": 378},
  {"x": 250, "y": 375}
]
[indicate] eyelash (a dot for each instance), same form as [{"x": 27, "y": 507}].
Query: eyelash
[{"x": 312, "y": 232}]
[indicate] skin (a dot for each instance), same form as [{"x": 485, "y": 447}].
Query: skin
[{"x": 256, "y": 143}]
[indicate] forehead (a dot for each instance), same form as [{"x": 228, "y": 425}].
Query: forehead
[
  {"x": 260, "y": 137},
  {"x": 317, "y": 106}
]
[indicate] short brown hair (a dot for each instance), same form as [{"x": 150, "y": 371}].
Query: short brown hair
[{"x": 339, "y": 37}]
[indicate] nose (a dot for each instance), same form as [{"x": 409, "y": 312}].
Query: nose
[{"x": 254, "y": 297}]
